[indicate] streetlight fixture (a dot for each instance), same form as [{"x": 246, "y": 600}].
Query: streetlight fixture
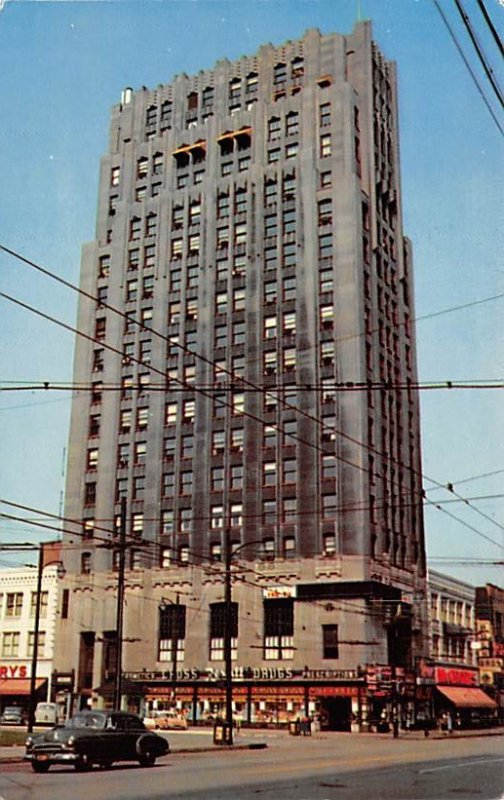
[{"x": 33, "y": 677}]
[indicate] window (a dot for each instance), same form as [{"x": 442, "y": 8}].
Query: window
[
  {"x": 274, "y": 155},
  {"x": 237, "y": 439},
  {"x": 292, "y": 123},
  {"x": 325, "y": 246},
  {"x": 176, "y": 249},
  {"x": 235, "y": 514},
  {"x": 186, "y": 482},
  {"x": 270, "y": 362},
  {"x": 289, "y": 359},
  {"x": 325, "y": 115},
  {"x": 279, "y": 74},
  {"x": 270, "y": 292},
  {"x": 142, "y": 418},
  {"x": 94, "y": 425},
  {"x": 330, "y": 641},
  {"x": 140, "y": 452},
  {"x": 188, "y": 409},
  {"x": 222, "y": 206},
  {"x": 10, "y": 644},
  {"x": 243, "y": 163},
  {"x": 216, "y": 551},
  {"x": 168, "y": 484},
  {"x": 325, "y": 145},
  {"x": 140, "y": 193},
  {"x": 289, "y": 509},
  {"x": 237, "y": 476},
  {"x": 157, "y": 163},
  {"x": 92, "y": 458},
  {"x": 269, "y": 512},
  {"x": 329, "y": 544},
  {"x": 240, "y": 201},
  {"x": 151, "y": 116},
  {"x": 325, "y": 211},
  {"x": 270, "y": 327},
  {"x": 269, "y": 436},
  {"x": 218, "y": 625},
  {"x": 289, "y": 290},
  {"x": 238, "y": 403},
  {"x": 138, "y": 487},
  {"x": 85, "y": 564},
  {"x": 216, "y": 516},
  {"x": 218, "y": 442},
  {"x": 291, "y": 150},
  {"x": 89, "y": 493},
  {"x": 217, "y": 478},
  {"x": 135, "y": 230},
  {"x": 100, "y": 328},
  {"x": 167, "y": 521},
  {"x": 170, "y": 413},
  {"x": 221, "y": 303},
  {"x": 326, "y": 280},
  {"x": 269, "y": 473},
  {"x": 274, "y": 129},
  {"x": 327, "y": 353},
  {"x": 289, "y": 470},
  {"x": 327, "y": 315},
  {"x": 121, "y": 489},
  {"x": 146, "y": 317},
  {"x": 240, "y": 234},
  {"x": 278, "y": 629},
  {"x": 325, "y": 180},
  {"x": 137, "y": 523},
  {"x": 329, "y": 507},
  {"x": 328, "y": 466},
  {"x": 142, "y": 167},
  {"x": 14, "y": 604},
  {"x": 194, "y": 244},
  {"x": 115, "y": 176},
  {"x": 172, "y": 632},
  {"x": 289, "y": 547},
  {"x": 270, "y": 192},
  {"x": 207, "y": 100},
  {"x": 238, "y": 333}
]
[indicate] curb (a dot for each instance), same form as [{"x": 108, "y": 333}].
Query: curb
[{"x": 15, "y": 759}]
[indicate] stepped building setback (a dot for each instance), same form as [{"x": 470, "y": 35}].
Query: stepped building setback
[{"x": 249, "y": 374}]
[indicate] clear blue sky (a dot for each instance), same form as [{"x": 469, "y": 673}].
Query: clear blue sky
[{"x": 63, "y": 65}]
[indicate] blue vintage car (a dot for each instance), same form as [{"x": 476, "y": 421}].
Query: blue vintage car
[{"x": 96, "y": 737}]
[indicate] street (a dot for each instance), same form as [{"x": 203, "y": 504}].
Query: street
[{"x": 324, "y": 767}]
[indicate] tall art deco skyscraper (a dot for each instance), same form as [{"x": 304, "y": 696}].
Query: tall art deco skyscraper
[{"x": 251, "y": 351}]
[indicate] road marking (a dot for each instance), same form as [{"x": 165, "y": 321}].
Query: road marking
[{"x": 462, "y": 764}]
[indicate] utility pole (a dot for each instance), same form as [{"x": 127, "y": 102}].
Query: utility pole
[
  {"x": 175, "y": 638},
  {"x": 120, "y": 606},
  {"x": 228, "y": 664},
  {"x": 33, "y": 675}
]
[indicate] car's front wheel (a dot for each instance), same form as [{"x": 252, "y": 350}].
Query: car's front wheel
[
  {"x": 84, "y": 764},
  {"x": 40, "y": 766},
  {"x": 147, "y": 759}
]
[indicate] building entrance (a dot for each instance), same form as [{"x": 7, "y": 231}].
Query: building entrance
[{"x": 335, "y": 713}]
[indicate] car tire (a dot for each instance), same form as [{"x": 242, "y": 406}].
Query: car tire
[
  {"x": 84, "y": 764},
  {"x": 40, "y": 766},
  {"x": 147, "y": 759}
]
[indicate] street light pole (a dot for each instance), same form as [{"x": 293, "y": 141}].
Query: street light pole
[
  {"x": 120, "y": 606},
  {"x": 228, "y": 664}
]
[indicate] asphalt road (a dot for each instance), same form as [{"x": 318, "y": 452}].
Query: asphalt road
[{"x": 337, "y": 767}]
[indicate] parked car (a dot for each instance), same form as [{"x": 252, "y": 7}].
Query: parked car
[
  {"x": 95, "y": 737},
  {"x": 166, "y": 720},
  {"x": 13, "y": 715},
  {"x": 46, "y": 714}
]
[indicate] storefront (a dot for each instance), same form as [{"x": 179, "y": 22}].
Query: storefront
[
  {"x": 455, "y": 699},
  {"x": 267, "y": 697},
  {"x": 15, "y": 686}
]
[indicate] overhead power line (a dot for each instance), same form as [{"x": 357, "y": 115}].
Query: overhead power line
[
  {"x": 468, "y": 67},
  {"x": 497, "y": 39},
  {"x": 479, "y": 50}
]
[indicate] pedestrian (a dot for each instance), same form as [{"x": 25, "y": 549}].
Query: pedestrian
[{"x": 449, "y": 723}]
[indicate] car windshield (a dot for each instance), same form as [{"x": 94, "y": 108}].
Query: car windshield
[
  {"x": 95, "y": 721},
  {"x": 12, "y": 710}
]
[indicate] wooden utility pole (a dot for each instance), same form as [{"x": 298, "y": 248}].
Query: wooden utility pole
[{"x": 120, "y": 606}]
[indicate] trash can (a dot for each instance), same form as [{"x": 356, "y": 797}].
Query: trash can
[
  {"x": 222, "y": 732},
  {"x": 294, "y": 727}
]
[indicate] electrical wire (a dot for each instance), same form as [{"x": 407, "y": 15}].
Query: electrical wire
[
  {"x": 497, "y": 39},
  {"x": 479, "y": 50},
  {"x": 468, "y": 66}
]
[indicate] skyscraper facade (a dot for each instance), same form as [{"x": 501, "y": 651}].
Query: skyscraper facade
[{"x": 248, "y": 368}]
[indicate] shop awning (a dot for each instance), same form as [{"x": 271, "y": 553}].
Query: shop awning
[
  {"x": 467, "y": 698},
  {"x": 17, "y": 686}
]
